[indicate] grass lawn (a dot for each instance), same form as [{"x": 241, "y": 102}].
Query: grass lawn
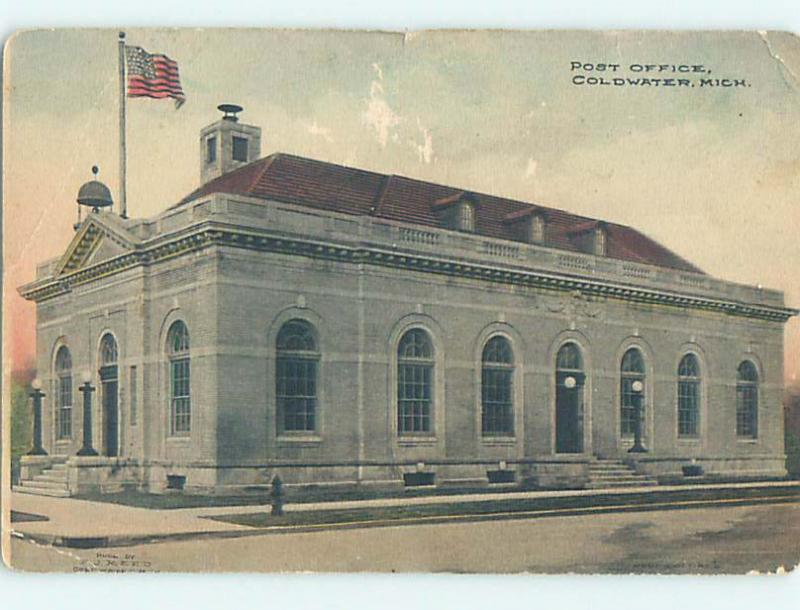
[
  {"x": 490, "y": 507},
  {"x": 176, "y": 499}
]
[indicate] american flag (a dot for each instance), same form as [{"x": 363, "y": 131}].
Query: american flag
[{"x": 153, "y": 75}]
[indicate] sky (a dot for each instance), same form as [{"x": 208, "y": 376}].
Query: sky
[{"x": 711, "y": 172}]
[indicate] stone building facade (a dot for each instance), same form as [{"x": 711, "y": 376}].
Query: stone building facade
[{"x": 340, "y": 327}]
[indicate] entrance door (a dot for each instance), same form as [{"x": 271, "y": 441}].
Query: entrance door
[
  {"x": 108, "y": 377},
  {"x": 569, "y": 412}
]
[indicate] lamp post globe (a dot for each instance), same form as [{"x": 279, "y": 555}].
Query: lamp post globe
[{"x": 637, "y": 387}]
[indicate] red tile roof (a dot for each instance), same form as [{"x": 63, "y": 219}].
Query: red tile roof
[{"x": 326, "y": 186}]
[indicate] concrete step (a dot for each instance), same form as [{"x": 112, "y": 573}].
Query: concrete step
[
  {"x": 51, "y": 478},
  {"x": 44, "y": 484},
  {"x": 59, "y": 467},
  {"x": 56, "y": 493},
  {"x": 43, "y": 488}
]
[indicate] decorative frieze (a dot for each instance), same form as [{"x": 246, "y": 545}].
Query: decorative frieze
[{"x": 584, "y": 297}]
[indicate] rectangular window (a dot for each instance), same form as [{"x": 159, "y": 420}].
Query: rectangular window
[
  {"x": 181, "y": 407},
  {"x": 239, "y": 149},
  {"x": 414, "y": 398},
  {"x": 64, "y": 412},
  {"x": 297, "y": 394},
  {"x": 211, "y": 149},
  {"x": 134, "y": 398},
  {"x": 496, "y": 388},
  {"x": 688, "y": 400}
]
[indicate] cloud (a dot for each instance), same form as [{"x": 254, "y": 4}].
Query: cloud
[
  {"x": 530, "y": 169},
  {"x": 379, "y": 116},
  {"x": 425, "y": 150},
  {"x": 323, "y": 132}
]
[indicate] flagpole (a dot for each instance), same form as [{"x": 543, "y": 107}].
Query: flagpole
[{"x": 122, "y": 153}]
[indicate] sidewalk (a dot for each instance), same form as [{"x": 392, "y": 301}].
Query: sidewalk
[{"x": 80, "y": 522}]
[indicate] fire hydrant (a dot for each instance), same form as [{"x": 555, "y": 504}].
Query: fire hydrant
[{"x": 276, "y": 497}]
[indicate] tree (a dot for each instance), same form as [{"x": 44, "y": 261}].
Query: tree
[{"x": 21, "y": 416}]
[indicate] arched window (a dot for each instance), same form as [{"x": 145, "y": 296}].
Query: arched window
[
  {"x": 747, "y": 400},
  {"x": 63, "y": 393},
  {"x": 108, "y": 350},
  {"x": 415, "y": 369},
  {"x": 570, "y": 380},
  {"x": 631, "y": 370},
  {"x": 688, "y": 396},
  {"x": 179, "y": 378},
  {"x": 569, "y": 358},
  {"x": 497, "y": 376},
  {"x": 297, "y": 357}
]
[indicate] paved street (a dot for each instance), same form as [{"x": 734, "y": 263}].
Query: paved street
[{"x": 702, "y": 540}]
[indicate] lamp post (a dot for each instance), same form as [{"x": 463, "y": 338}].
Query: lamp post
[
  {"x": 36, "y": 396},
  {"x": 87, "y": 389},
  {"x": 637, "y": 387}
]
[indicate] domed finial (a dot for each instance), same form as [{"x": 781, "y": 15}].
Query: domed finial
[{"x": 95, "y": 194}]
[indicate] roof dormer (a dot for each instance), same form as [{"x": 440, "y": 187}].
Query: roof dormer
[
  {"x": 528, "y": 225},
  {"x": 457, "y": 212},
  {"x": 591, "y": 237}
]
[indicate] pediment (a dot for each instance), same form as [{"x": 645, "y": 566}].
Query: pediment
[{"x": 94, "y": 242}]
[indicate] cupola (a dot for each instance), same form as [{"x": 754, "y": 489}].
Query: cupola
[{"x": 227, "y": 144}]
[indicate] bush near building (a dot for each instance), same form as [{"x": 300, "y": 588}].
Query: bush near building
[
  {"x": 21, "y": 418},
  {"x": 791, "y": 410}
]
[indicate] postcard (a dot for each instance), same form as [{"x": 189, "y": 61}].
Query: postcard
[{"x": 436, "y": 301}]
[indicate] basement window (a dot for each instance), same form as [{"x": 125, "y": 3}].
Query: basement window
[{"x": 176, "y": 481}]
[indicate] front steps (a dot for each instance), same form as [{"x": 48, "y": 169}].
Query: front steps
[
  {"x": 605, "y": 473},
  {"x": 50, "y": 482}
]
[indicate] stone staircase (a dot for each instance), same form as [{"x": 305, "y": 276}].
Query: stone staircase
[
  {"x": 605, "y": 473},
  {"x": 51, "y": 482}
]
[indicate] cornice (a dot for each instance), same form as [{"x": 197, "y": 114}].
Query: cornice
[{"x": 208, "y": 234}]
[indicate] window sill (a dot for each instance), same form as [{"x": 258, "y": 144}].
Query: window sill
[
  {"x": 409, "y": 440},
  {"x": 179, "y": 439},
  {"x": 689, "y": 440},
  {"x": 747, "y": 441},
  {"x": 291, "y": 439},
  {"x": 498, "y": 440}
]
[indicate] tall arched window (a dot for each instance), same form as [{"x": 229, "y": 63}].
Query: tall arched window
[
  {"x": 179, "y": 378},
  {"x": 497, "y": 387},
  {"x": 631, "y": 370},
  {"x": 297, "y": 357},
  {"x": 747, "y": 400},
  {"x": 570, "y": 380},
  {"x": 688, "y": 396},
  {"x": 63, "y": 393},
  {"x": 415, "y": 369}
]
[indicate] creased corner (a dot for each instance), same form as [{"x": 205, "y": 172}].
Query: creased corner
[{"x": 784, "y": 69}]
